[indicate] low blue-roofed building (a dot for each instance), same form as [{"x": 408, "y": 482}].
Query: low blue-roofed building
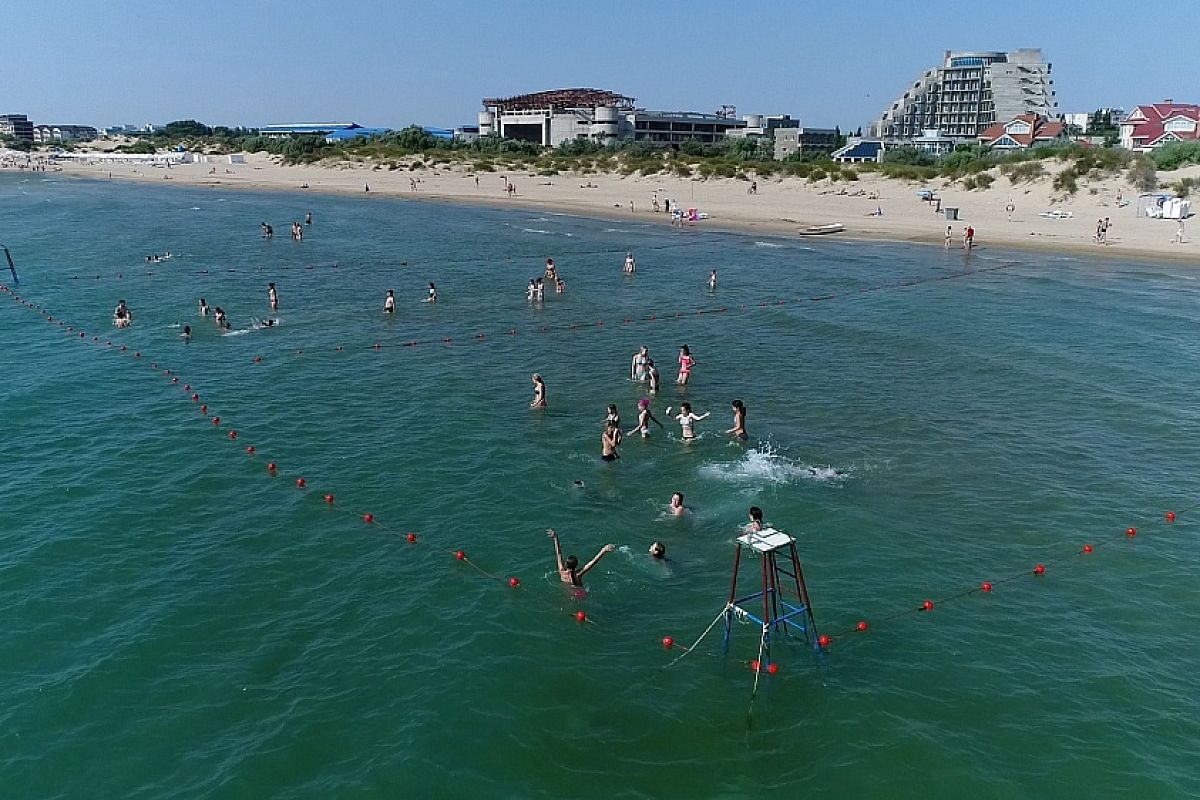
[
  {"x": 346, "y": 134},
  {"x": 859, "y": 152},
  {"x": 306, "y": 129},
  {"x": 440, "y": 133}
]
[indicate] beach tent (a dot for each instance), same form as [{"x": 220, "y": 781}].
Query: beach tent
[{"x": 1150, "y": 204}]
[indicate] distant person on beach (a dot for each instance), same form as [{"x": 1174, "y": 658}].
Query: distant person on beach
[
  {"x": 630, "y": 264},
  {"x": 677, "y": 507},
  {"x": 638, "y": 367},
  {"x": 610, "y": 440},
  {"x": 203, "y": 307},
  {"x": 539, "y": 392},
  {"x": 1178, "y": 238},
  {"x": 652, "y": 379},
  {"x": 645, "y": 417},
  {"x": 366, "y": 188},
  {"x": 949, "y": 235},
  {"x": 968, "y": 238},
  {"x": 273, "y": 296},
  {"x": 389, "y": 302},
  {"x": 432, "y": 298},
  {"x": 712, "y": 281},
  {"x": 1008, "y": 209},
  {"x": 686, "y": 362},
  {"x": 568, "y": 569},
  {"x": 687, "y": 420},
  {"x": 739, "y": 421}
]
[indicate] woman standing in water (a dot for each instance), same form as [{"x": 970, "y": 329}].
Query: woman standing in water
[
  {"x": 687, "y": 420},
  {"x": 739, "y": 421},
  {"x": 686, "y": 362},
  {"x": 539, "y": 392},
  {"x": 637, "y": 368},
  {"x": 389, "y": 302},
  {"x": 568, "y": 568},
  {"x": 645, "y": 417}
]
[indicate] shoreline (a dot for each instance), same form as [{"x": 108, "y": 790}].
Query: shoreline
[{"x": 782, "y": 207}]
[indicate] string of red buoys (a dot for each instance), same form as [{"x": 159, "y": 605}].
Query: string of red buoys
[{"x": 1039, "y": 570}]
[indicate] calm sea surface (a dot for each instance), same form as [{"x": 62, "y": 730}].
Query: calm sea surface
[{"x": 176, "y": 622}]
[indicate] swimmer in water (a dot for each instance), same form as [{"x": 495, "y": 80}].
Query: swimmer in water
[
  {"x": 652, "y": 379},
  {"x": 432, "y": 298},
  {"x": 612, "y": 415},
  {"x": 389, "y": 302},
  {"x": 645, "y": 417},
  {"x": 531, "y": 290},
  {"x": 122, "y": 316},
  {"x": 273, "y": 296},
  {"x": 686, "y": 362},
  {"x": 630, "y": 264},
  {"x": 637, "y": 368},
  {"x": 308, "y": 218},
  {"x": 187, "y": 333},
  {"x": 739, "y": 421},
  {"x": 677, "y": 507},
  {"x": 203, "y": 307},
  {"x": 658, "y": 551},
  {"x": 569, "y": 570},
  {"x": 712, "y": 281},
  {"x": 539, "y": 392},
  {"x": 610, "y": 439},
  {"x": 551, "y": 270},
  {"x": 219, "y": 317},
  {"x": 687, "y": 420}
]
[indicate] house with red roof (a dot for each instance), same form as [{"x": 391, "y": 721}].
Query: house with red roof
[
  {"x": 1157, "y": 124},
  {"x": 1023, "y": 131}
]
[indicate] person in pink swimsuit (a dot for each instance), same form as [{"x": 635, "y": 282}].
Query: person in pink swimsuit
[{"x": 686, "y": 362}]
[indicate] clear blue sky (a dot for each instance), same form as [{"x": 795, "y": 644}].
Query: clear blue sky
[{"x": 256, "y": 62}]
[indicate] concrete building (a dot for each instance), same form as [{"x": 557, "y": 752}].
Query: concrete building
[
  {"x": 46, "y": 134},
  {"x": 562, "y": 115},
  {"x": 790, "y": 141},
  {"x": 1151, "y": 126},
  {"x": 17, "y": 126},
  {"x": 933, "y": 142},
  {"x": 969, "y": 92}
]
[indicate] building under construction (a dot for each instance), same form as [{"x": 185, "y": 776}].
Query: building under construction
[{"x": 563, "y": 115}]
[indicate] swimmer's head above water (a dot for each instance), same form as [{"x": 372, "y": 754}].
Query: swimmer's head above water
[{"x": 658, "y": 550}]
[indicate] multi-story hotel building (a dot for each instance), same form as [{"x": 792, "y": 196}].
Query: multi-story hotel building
[{"x": 969, "y": 92}]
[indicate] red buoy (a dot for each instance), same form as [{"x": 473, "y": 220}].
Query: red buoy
[
  {"x": 580, "y": 616},
  {"x": 927, "y": 605},
  {"x": 1040, "y": 569},
  {"x": 1170, "y": 516},
  {"x": 668, "y": 642},
  {"x": 368, "y": 518},
  {"x": 987, "y": 587},
  {"x": 772, "y": 668},
  {"x": 233, "y": 434},
  {"x": 1087, "y": 548},
  {"x": 300, "y": 484},
  {"x": 271, "y": 467},
  {"x": 329, "y": 499},
  {"x": 862, "y": 626},
  {"x": 412, "y": 538},
  {"x": 514, "y": 582},
  {"x": 460, "y": 555},
  {"x": 823, "y": 640},
  {"x": 1131, "y": 531},
  {"x": 250, "y": 450}
]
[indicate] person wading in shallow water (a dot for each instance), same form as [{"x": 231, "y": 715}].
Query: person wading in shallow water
[{"x": 569, "y": 570}]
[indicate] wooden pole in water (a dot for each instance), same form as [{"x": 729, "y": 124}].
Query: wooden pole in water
[{"x": 11, "y": 266}]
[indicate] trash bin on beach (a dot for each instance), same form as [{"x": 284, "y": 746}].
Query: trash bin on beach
[{"x": 951, "y": 213}]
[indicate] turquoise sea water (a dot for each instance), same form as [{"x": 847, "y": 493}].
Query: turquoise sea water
[{"x": 179, "y": 623}]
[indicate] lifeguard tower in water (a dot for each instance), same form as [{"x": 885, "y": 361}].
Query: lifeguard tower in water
[{"x": 780, "y": 605}]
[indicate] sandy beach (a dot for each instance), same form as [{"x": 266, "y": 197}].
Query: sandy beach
[{"x": 782, "y": 206}]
